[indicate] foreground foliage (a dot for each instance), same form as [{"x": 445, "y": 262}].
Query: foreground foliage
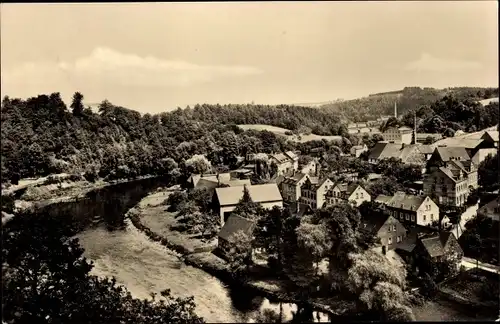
[{"x": 47, "y": 279}]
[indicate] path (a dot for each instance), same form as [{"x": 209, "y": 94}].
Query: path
[{"x": 471, "y": 263}]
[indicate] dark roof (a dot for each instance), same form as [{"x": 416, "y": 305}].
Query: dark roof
[
  {"x": 491, "y": 134},
  {"x": 447, "y": 153},
  {"x": 374, "y": 222},
  {"x": 406, "y": 246},
  {"x": 435, "y": 245},
  {"x": 236, "y": 223},
  {"x": 351, "y": 188},
  {"x": 293, "y": 180}
]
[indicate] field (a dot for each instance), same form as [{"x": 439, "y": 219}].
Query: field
[{"x": 281, "y": 132}]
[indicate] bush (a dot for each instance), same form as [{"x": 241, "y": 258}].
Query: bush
[{"x": 429, "y": 288}]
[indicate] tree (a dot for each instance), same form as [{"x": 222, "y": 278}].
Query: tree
[
  {"x": 198, "y": 164},
  {"x": 429, "y": 288},
  {"x": 175, "y": 200},
  {"x": 246, "y": 206},
  {"x": 314, "y": 239},
  {"x": 239, "y": 255},
  {"x": 379, "y": 286},
  {"x": 46, "y": 278},
  {"x": 77, "y": 104},
  {"x": 488, "y": 173},
  {"x": 268, "y": 316}
]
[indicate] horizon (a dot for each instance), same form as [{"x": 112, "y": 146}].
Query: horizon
[{"x": 151, "y": 57}]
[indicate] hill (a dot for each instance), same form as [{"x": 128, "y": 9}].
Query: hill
[
  {"x": 410, "y": 98},
  {"x": 300, "y": 138},
  {"x": 42, "y": 136}
]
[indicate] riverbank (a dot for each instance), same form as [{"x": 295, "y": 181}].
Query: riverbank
[
  {"x": 55, "y": 189},
  {"x": 151, "y": 218}
]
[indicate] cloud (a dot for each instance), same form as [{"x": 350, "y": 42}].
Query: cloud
[
  {"x": 107, "y": 66},
  {"x": 427, "y": 62}
]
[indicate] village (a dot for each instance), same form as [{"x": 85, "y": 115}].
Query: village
[{"x": 415, "y": 228}]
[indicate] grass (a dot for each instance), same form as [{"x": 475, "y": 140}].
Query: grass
[
  {"x": 154, "y": 215},
  {"x": 281, "y": 132},
  {"x": 474, "y": 285}
]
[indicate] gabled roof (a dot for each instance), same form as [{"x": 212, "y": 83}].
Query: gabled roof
[
  {"x": 236, "y": 223},
  {"x": 468, "y": 143},
  {"x": 383, "y": 199},
  {"x": 435, "y": 245},
  {"x": 350, "y": 188},
  {"x": 447, "y": 153},
  {"x": 280, "y": 157},
  {"x": 383, "y": 150},
  {"x": 426, "y": 149},
  {"x": 373, "y": 223},
  {"x": 493, "y": 135},
  {"x": 404, "y": 201},
  {"x": 492, "y": 204},
  {"x": 293, "y": 180},
  {"x": 258, "y": 193}
]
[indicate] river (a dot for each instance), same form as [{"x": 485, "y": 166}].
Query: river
[{"x": 144, "y": 266}]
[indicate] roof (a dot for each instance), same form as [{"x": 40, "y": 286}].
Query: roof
[
  {"x": 280, "y": 157},
  {"x": 404, "y": 128},
  {"x": 426, "y": 149},
  {"x": 406, "y": 246},
  {"x": 373, "y": 176},
  {"x": 373, "y": 223},
  {"x": 350, "y": 188},
  {"x": 447, "y": 153},
  {"x": 491, "y": 134},
  {"x": 236, "y": 223},
  {"x": 293, "y": 180},
  {"x": 492, "y": 204},
  {"x": 258, "y": 193},
  {"x": 405, "y": 201},
  {"x": 469, "y": 143},
  {"x": 291, "y": 155},
  {"x": 358, "y": 147},
  {"x": 383, "y": 199},
  {"x": 435, "y": 244}
]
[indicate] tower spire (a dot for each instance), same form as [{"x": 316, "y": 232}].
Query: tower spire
[{"x": 395, "y": 109}]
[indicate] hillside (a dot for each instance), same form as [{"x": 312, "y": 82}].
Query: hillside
[
  {"x": 42, "y": 136},
  {"x": 299, "y": 138},
  {"x": 376, "y": 105}
]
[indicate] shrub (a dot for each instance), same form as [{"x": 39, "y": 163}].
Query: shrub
[{"x": 429, "y": 288}]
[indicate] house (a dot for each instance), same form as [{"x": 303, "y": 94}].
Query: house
[
  {"x": 357, "y": 150},
  {"x": 192, "y": 181},
  {"x": 285, "y": 162},
  {"x": 451, "y": 184},
  {"x": 354, "y": 194},
  {"x": 411, "y": 209},
  {"x": 491, "y": 209},
  {"x": 290, "y": 187},
  {"x": 225, "y": 200},
  {"x": 408, "y": 154},
  {"x": 398, "y": 135},
  {"x": 311, "y": 168},
  {"x": 388, "y": 229},
  {"x": 437, "y": 247},
  {"x": 491, "y": 137},
  {"x": 426, "y": 150},
  {"x": 313, "y": 192},
  {"x": 443, "y": 155},
  {"x": 471, "y": 145},
  {"x": 234, "y": 224},
  {"x": 294, "y": 158}
]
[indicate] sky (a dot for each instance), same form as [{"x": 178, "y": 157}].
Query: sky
[{"x": 155, "y": 57}]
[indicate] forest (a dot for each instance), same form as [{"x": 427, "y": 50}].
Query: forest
[
  {"x": 42, "y": 136},
  {"x": 408, "y": 99}
]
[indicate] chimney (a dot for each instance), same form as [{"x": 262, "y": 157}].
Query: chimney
[{"x": 395, "y": 109}]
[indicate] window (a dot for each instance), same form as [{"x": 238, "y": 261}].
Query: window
[
  {"x": 357, "y": 195},
  {"x": 424, "y": 218},
  {"x": 361, "y": 195},
  {"x": 412, "y": 218},
  {"x": 407, "y": 217},
  {"x": 401, "y": 216},
  {"x": 394, "y": 228},
  {"x": 432, "y": 217},
  {"x": 389, "y": 240},
  {"x": 398, "y": 239}
]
